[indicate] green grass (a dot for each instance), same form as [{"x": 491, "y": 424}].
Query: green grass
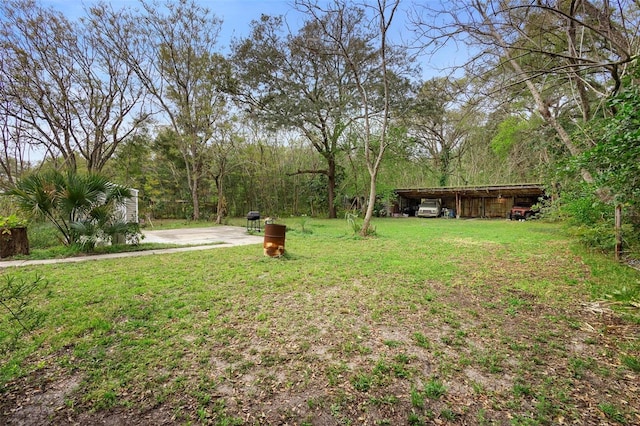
[
  {"x": 340, "y": 328},
  {"x": 611, "y": 412},
  {"x": 434, "y": 388}
]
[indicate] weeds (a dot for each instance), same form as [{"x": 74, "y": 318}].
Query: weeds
[
  {"x": 520, "y": 388},
  {"x": 303, "y": 221},
  {"x": 417, "y": 398},
  {"x": 353, "y": 221},
  {"x": 448, "y": 414},
  {"x": 384, "y": 400},
  {"x": 578, "y": 366},
  {"x": 434, "y": 388},
  {"x": 631, "y": 362},
  {"x": 612, "y": 412},
  {"x": 421, "y": 340},
  {"x": 362, "y": 382},
  {"x": 17, "y": 300}
]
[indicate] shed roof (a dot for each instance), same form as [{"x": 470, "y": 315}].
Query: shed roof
[{"x": 515, "y": 190}]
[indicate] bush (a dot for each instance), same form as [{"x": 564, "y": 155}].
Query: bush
[
  {"x": 12, "y": 221},
  {"x": 584, "y": 209},
  {"x": 592, "y": 220},
  {"x": 81, "y": 207},
  {"x": 601, "y": 237},
  {"x": 16, "y": 299}
]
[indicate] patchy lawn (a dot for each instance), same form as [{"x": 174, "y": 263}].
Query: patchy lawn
[{"x": 431, "y": 322}]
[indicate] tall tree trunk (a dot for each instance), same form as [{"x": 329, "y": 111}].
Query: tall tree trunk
[
  {"x": 373, "y": 164},
  {"x": 445, "y": 166},
  {"x": 222, "y": 202},
  {"x": 195, "y": 199},
  {"x": 331, "y": 175}
]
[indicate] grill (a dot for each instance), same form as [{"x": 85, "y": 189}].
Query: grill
[{"x": 253, "y": 221}]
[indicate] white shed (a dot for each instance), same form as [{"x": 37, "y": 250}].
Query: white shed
[{"x": 128, "y": 211}]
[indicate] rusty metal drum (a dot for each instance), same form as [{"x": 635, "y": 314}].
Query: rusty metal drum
[{"x": 274, "y": 237}]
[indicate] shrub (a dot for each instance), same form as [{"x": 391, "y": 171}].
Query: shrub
[
  {"x": 12, "y": 221},
  {"x": 81, "y": 207},
  {"x": 16, "y": 297}
]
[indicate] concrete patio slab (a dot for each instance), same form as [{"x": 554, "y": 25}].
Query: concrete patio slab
[{"x": 196, "y": 238}]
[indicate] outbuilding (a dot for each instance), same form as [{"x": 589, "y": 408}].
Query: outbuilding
[{"x": 485, "y": 201}]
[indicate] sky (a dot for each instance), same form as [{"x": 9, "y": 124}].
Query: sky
[{"x": 238, "y": 14}]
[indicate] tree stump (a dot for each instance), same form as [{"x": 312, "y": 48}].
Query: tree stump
[{"x": 13, "y": 241}]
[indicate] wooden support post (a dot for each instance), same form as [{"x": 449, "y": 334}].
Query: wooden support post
[{"x": 618, "y": 219}]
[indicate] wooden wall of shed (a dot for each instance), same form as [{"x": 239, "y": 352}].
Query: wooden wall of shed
[{"x": 488, "y": 207}]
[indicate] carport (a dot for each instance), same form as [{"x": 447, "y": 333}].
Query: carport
[{"x": 487, "y": 201}]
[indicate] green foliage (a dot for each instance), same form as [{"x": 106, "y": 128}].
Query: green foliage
[
  {"x": 304, "y": 225},
  {"x": 631, "y": 362},
  {"x": 599, "y": 236},
  {"x": 509, "y": 133},
  {"x": 591, "y": 219},
  {"x": 362, "y": 382},
  {"x": 417, "y": 398},
  {"x": 42, "y": 235},
  {"x": 434, "y": 388},
  {"x": 421, "y": 340},
  {"x": 584, "y": 208},
  {"x": 448, "y": 414},
  {"x": 12, "y": 221},
  {"x": 353, "y": 221},
  {"x": 612, "y": 412},
  {"x": 16, "y": 299},
  {"x": 615, "y": 159},
  {"x": 81, "y": 207},
  {"x": 614, "y": 162}
]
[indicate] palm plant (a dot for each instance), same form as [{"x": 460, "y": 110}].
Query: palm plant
[{"x": 81, "y": 207}]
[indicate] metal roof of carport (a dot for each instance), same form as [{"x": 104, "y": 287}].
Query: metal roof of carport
[{"x": 516, "y": 190}]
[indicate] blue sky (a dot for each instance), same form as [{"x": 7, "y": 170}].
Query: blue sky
[{"x": 238, "y": 14}]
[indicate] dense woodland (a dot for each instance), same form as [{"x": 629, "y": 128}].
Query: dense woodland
[{"x": 331, "y": 114}]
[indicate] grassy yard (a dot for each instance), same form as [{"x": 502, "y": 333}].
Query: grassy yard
[{"x": 431, "y": 322}]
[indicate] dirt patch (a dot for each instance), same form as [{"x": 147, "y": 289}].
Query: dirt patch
[{"x": 27, "y": 405}]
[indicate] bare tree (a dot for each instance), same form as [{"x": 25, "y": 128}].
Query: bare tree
[
  {"x": 437, "y": 120},
  {"x": 14, "y": 148},
  {"x": 569, "y": 55},
  {"x": 71, "y": 92},
  {"x": 225, "y": 142},
  {"x": 371, "y": 75},
  {"x": 175, "y": 56}
]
